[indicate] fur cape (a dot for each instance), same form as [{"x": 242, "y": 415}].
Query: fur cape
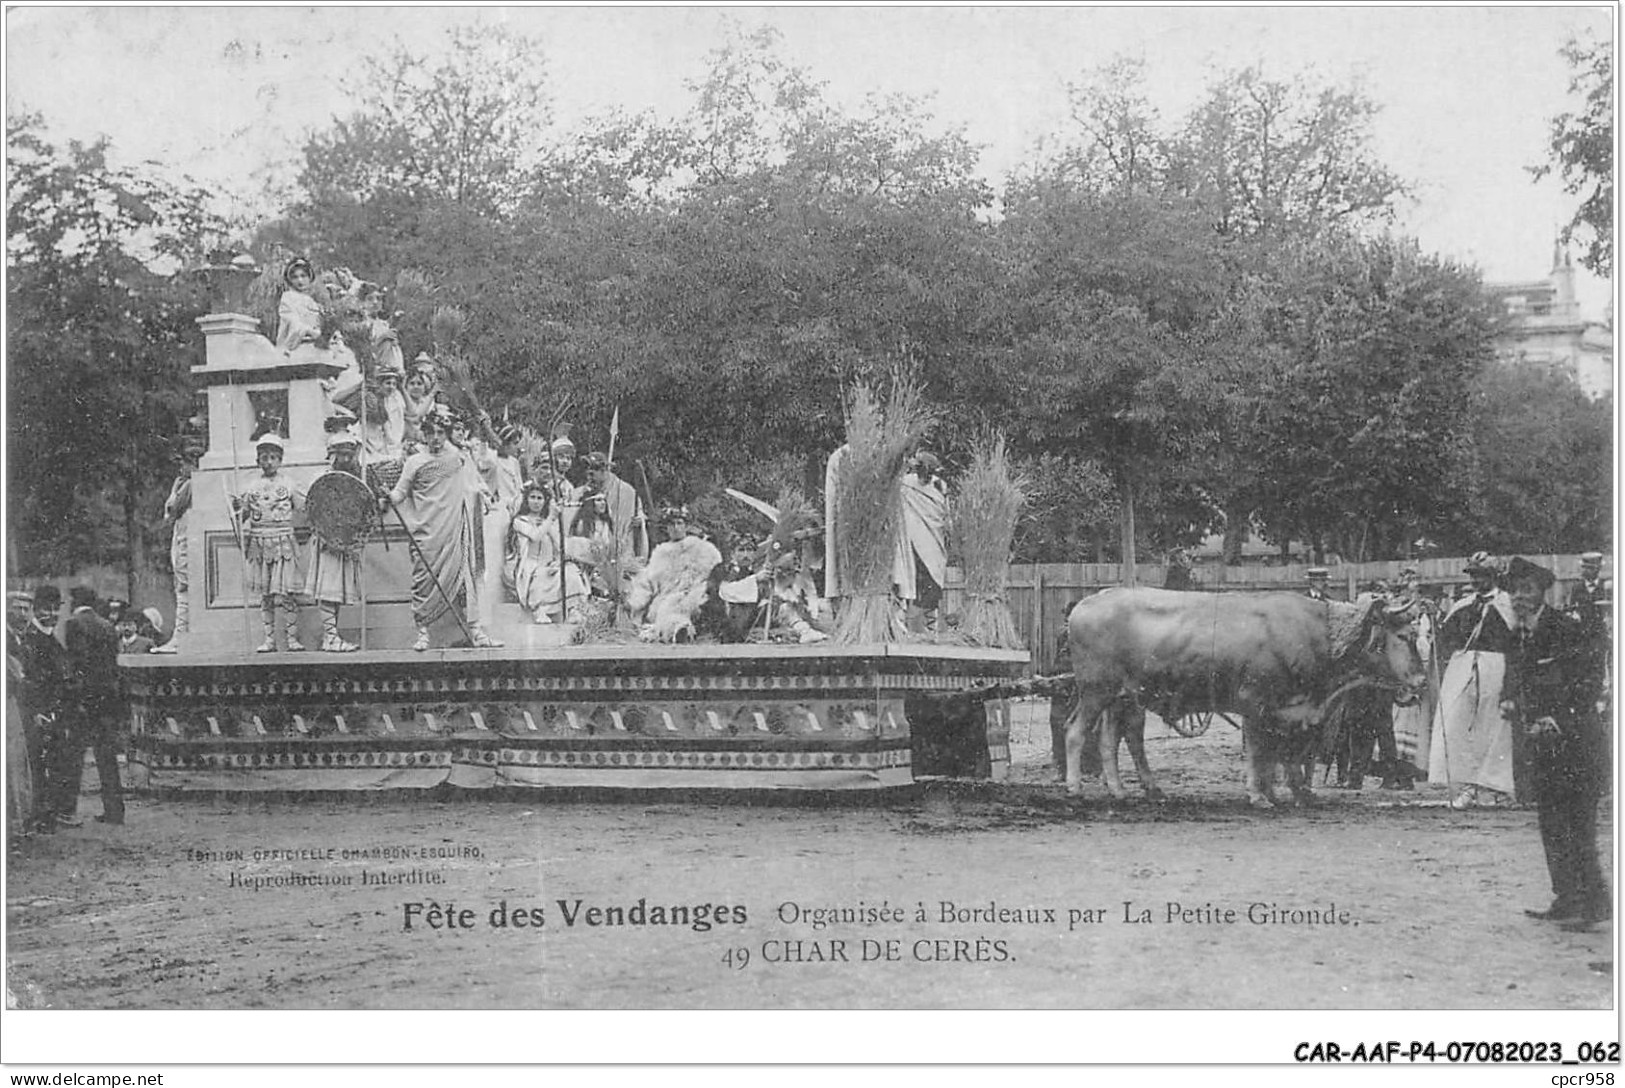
[{"x": 669, "y": 592}]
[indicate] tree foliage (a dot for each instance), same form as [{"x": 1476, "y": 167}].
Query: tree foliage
[
  {"x": 1182, "y": 324},
  {"x": 1540, "y": 475},
  {"x": 1582, "y": 151},
  {"x": 463, "y": 128},
  {"x": 100, "y": 334},
  {"x": 1357, "y": 447}
]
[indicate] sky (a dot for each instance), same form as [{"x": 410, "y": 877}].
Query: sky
[{"x": 227, "y": 95}]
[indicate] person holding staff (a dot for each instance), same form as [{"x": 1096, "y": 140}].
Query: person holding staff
[{"x": 432, "y": 500}]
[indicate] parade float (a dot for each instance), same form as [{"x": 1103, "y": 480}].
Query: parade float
[{"x": 544, "y": 711}]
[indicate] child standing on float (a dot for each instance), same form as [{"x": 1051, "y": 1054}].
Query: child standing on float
[{"x": 265, "y": 510}]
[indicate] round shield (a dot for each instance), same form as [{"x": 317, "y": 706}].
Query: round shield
[{"x": 341, "y": 510}]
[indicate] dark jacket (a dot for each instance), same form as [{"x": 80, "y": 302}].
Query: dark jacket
[
  {"x": 1475, "y": 626},
  {"x": 44, "y": 666},
  {"x": 1551, "y": 673},
  {"x": 1591, "y": 605},
  {"x": 92, "y": 654}
]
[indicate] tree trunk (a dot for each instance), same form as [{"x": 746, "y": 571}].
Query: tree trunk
[
  {"x": 1236, "y": 532},
  {"x": 134, "y": 552},
  {"x": 812, "y": 476},
  {"x": 1125, "y": 488}
]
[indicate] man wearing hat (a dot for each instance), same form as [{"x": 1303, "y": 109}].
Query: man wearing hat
[
  {"x": 39, "y": 677},
  {"x": 1591, "y": 601},
  {"x": 1551, "y": 686},
  {"x": 94, "y": 710},
  {"x": 1471, "y": 746},
  {"x": 265, "y": 510},
  {"x": 1317, "y": 590}
]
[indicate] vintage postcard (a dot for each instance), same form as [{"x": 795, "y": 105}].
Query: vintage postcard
[{"x": 536, "y": 509}]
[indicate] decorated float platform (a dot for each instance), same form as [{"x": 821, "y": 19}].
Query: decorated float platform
[
  {"x": 638, "y": 717},
  {"x": 542, "y": 713}
]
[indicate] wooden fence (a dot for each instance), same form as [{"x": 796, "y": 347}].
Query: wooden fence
[{"x": 1041, "y": 594}]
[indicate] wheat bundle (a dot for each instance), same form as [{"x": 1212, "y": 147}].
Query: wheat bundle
[
  {"x": 869, "y": 504},
  {"x": 446, "y": 329},
  {"x": 981, "y": 527},
  {"x": 264, "y": 296},
  {"x": 457, "y": 382},
  {"x": 414, "y": 291}
]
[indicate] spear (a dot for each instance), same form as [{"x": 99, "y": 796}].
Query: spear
[{"x": 614, "y": 530}]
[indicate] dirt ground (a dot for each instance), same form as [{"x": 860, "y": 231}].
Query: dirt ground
[{"x": 1425, "y": 904}]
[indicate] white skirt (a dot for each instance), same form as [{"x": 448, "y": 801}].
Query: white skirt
[{"x": 1472, "y": 739}]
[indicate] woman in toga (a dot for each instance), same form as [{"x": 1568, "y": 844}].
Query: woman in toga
[{"x": 432, "y": 498}]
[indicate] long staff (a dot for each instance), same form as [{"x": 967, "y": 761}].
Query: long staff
[
  {"x": 361, "y": 555},
  {"x": 417, "y": 552},
  {"x": 564, "y": 601},
  {"x": 236, "y": 527},
  {"x": 614, "y": 529}
]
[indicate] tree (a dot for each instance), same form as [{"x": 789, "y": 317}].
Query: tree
[
  {"x": 1116, "y": 141},
  {"x": 99, "y": 338},
  {"x": 1273, "y": 163},
  {"x": 1119, "y": 295},
  {"x": 1279, "y": 158},
  {"x": 1539, "y": 479},
  {"x": 1359, "y": 446},
  {"x": 463, "y": 128},
  {"x": 1582, "y": 150}
]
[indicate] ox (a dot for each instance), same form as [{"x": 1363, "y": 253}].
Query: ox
[{"x": 1272, "y": 658}]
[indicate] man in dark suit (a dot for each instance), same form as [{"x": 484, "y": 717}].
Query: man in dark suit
[
  {"x": 96, "y": 708},
  {"x": 39, "y": 677},
  {"x": 1552, "y": 685},
  {"x": 1591, "y": 601}
]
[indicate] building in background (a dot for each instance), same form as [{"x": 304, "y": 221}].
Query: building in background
[{"x": 1546, "y": 327}]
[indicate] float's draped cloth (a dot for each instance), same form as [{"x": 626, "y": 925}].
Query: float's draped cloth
[{"x": 924, "y": 533}]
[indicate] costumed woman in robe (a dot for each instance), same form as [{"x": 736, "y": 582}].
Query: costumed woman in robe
[
  {"x": 1472, "y": 739},
  {"x": 433, "y": 499},
  {"x": 532, "y": 570},
  {"x": 1413, "y": 724},
  {"x": 837, "y": 582},
  {"x": 298, "y": 314},
  {"x": 503, "y": 482},
  {"x": 921, "y": 566}
]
